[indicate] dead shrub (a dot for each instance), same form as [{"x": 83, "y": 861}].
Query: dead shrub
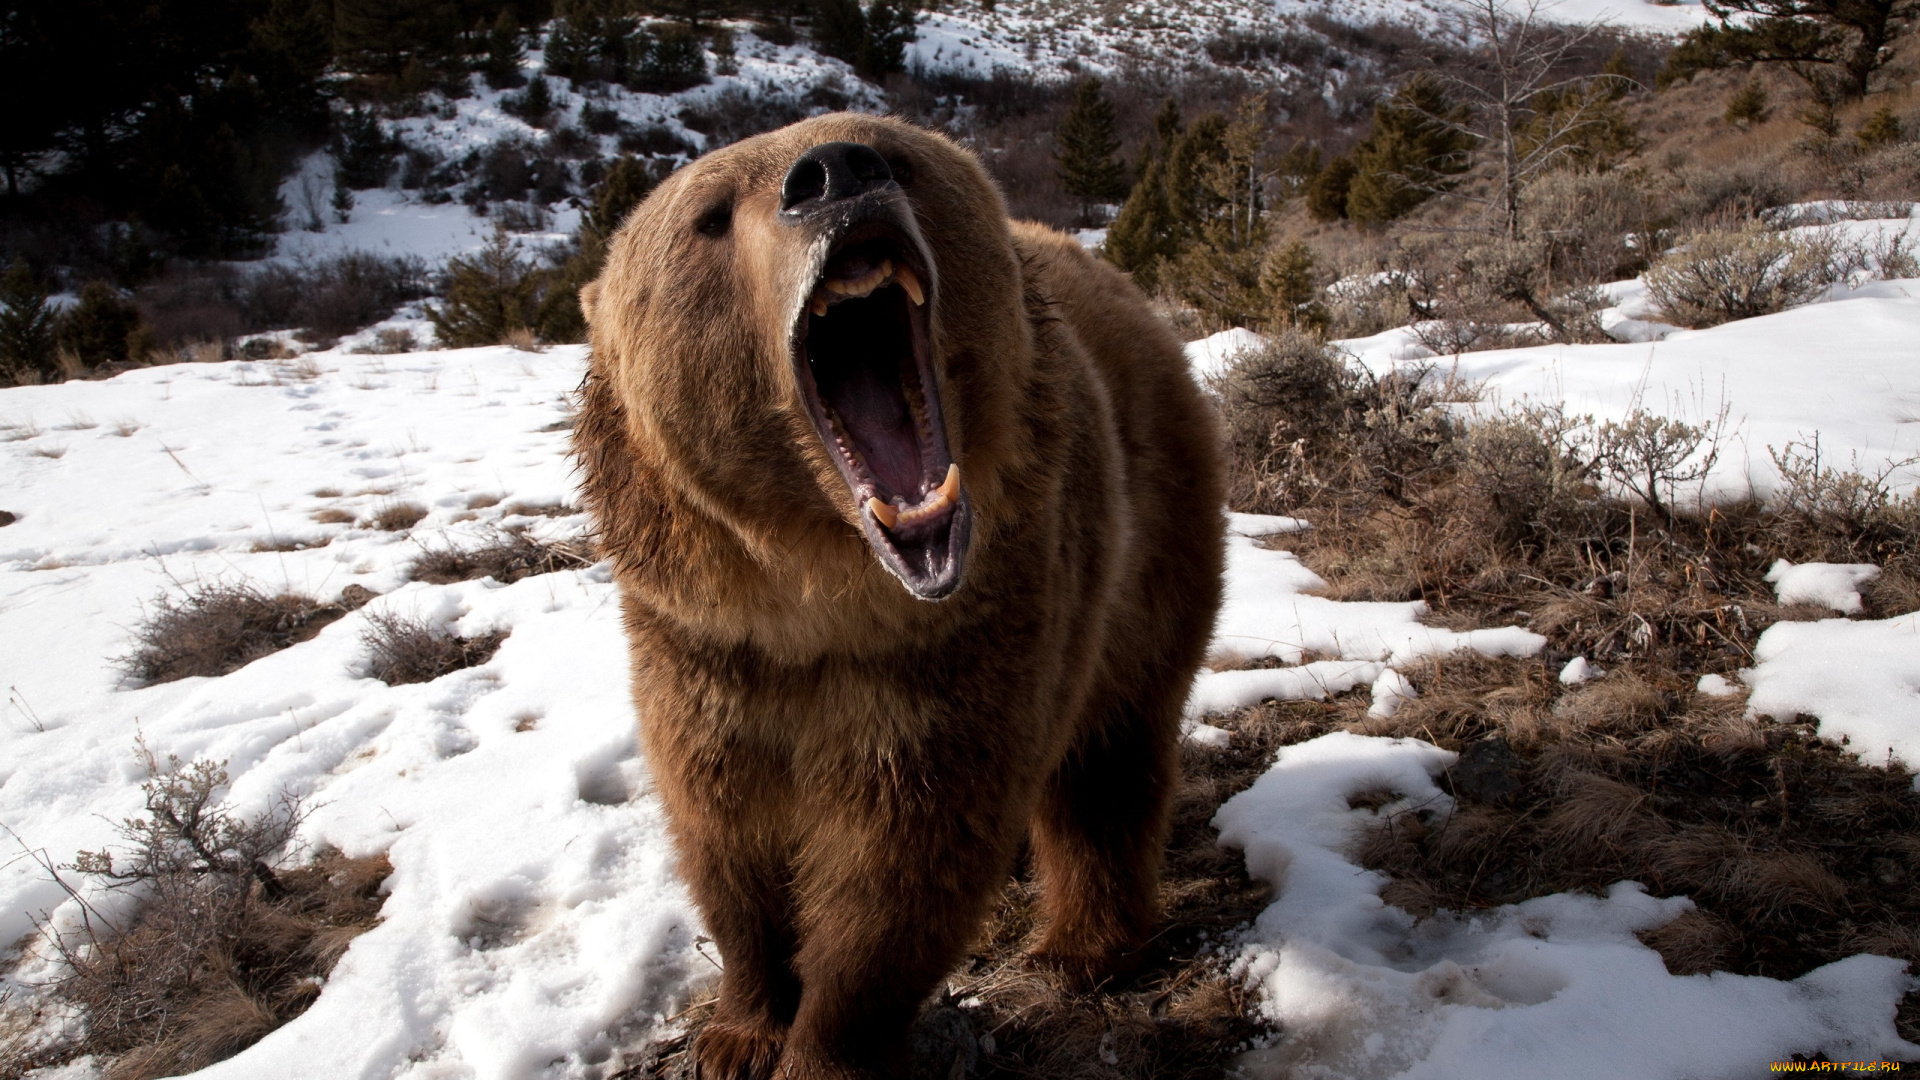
[
  {"x": 398, "y": 517},
  {"x": 333, "y": 516},
  {"x": 403, "y": 650},
  {"x": 216, "y": 628},
  {"x": 506, "y": 556},
  {"x": 224, "y": 945}
]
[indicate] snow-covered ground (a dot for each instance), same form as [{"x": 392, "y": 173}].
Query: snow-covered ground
[{"x": 534, "y": 922}]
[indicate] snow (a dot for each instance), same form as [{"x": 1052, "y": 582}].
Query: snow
[
  {"x": 1716, "y": 686},
  {"x": 1555, "y": 986},
  {"x": 1210, "y": 356},
  {"x": 1833, "y": 585},
  {"x": 533, "y": 913},
  {"x": 1578, "y": 670},
  {"x": 1861, "y": 678}
]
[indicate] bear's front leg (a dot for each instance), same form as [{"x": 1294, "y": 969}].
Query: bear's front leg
[{"x": 887, "y": 904}]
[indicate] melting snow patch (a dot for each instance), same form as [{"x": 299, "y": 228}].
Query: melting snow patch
[
  {"x": 1716, "y": 686},
  {"x": 1861, "y": 678},
  {"x": 1578, "y": 670},
  {"x": 1833, "y": 585},
  {"x": 1556, "y": 986}
]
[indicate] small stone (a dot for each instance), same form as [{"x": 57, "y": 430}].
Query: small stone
[
  {"x": 355, "y": 597},
  {"x": 1488, "y": 771},
  {"x": 7, "y": 518}
]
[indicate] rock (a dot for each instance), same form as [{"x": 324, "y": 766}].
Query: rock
[
  {"x": 944, "y": 1046},
  {"x": 7, "y": 518},
  {"x": 1488, "y": 771},
  {"x": 355, "y": 597}
]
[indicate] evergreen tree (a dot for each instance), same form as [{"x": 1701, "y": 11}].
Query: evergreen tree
[
  {"x": 1288, "y": 278},
  {"x": 674, "y": 61},
  {"x": 1413, "y": 151},
  {"x": 839, "y": 28},
  {"x": 1084, "y": 148},
  {"x": 489, "y": 295},
  {"x": 97, "y": 328},
  {"x": 1748, "y": 106},
  {"x": 26, "y": 323},
  {"x": 1146, "y": 233},
  {"x": 1880, "y": 129},
  {"x": 1327, "y": 192},
  {"x": 890, "y": 29},
  {"x": 363, "y": 152},
  {"x": 1835, "y": 46},
  {"x": 504, "y": 53},
  {"x": 628, "y": 182}
]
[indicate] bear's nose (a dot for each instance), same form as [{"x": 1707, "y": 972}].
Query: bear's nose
[{"x": 831, "y": 172}]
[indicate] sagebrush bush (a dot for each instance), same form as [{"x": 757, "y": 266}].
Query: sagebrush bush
[
  {"x": 217, "y": 628},
  {"x": 1306, "y": 425},
  {"x": 402, "y": 650},
  {"x": 506, "y": 556},
  {"x": 1716, "y": 277},
  {"x": 225, "y": 942}
]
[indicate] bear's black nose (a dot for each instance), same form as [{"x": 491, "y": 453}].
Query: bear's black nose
[{"x": 831, "y": 172}]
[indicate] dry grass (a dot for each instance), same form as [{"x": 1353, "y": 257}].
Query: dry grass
[
  {"x": 222, "y": 948},
  {"x": 507, "y": 556},
  {"x": 333, "y": 516},
  {"x": 403, "y": 650},
  {"x": 551, "y": 510},
  {"x": 214, "y": 629},
  {"x": 398, "y": 517}
]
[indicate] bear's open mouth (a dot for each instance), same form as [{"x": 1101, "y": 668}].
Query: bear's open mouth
[{"x": 864, "y": 360}]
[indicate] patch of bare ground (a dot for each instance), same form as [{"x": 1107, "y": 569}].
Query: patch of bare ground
[
  {"x": 505, "y": 555},
  {"x": 214, "y": 629},
  {"x": 224, "y": 946}
]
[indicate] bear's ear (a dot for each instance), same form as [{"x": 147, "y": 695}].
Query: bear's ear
[{"x": 589, "y": 299}]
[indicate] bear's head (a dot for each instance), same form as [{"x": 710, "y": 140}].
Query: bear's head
[{"x": 817, "y": 328}]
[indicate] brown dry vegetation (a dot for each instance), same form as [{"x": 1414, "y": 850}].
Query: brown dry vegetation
[
  {"x": 506, "y": 556},
  {"x": 221, "y": 949},
  {"x": 214, "y": 629},
  {"x": 403, "y": 650}
]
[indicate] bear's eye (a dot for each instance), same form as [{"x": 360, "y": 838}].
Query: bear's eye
[
  {"x": 716, "y": 221},
  {"x": 902, "y": 170}
]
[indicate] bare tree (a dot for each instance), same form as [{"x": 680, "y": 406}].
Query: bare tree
[{"x": 1528, "y": 115}]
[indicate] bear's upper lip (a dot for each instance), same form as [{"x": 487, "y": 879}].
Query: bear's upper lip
[{"x": 863, "y": 357}]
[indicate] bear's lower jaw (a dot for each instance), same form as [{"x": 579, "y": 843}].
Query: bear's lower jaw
[{"x": 864, "y": 363}]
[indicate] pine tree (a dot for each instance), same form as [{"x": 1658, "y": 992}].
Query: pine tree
[
  {"x": 1288, "y": 277},
  {"x": 1618, "y": 74},
  {"x": 840, "y": 28},
  {"x": 1413, "y": 151},
  {"x": 890, "y": 29},
  {"x": 1748, "y": 106},
  {"x": 96, "y": 329},
  {"x": 1327, "y": 192},
  {"x": 1880, "y": 129},
  {"x": 26, "y": 323},
  {"x": 504, "y": 53},
  {"x": 1146, "y": 233},
  {"x": 628, "y": 182},
  {"x": 1835, "y": 46},
  {"x": 1084, "y": 147},
  {"x": 489, "y": 295}
]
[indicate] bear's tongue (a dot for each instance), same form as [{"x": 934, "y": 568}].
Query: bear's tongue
[{"x": 872, "y": 410}]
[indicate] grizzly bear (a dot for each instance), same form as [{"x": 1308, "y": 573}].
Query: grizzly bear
[{"x": 916, "y": 517}]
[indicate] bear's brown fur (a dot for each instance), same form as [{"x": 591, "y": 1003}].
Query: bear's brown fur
[{"x": 850, "y": 769}]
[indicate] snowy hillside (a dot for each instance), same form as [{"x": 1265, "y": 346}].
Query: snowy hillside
[
  {"x": 1045, "y": 39},
  {"x": 533, "y": 925}
]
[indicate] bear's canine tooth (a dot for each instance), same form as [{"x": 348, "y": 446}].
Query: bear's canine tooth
[
  {"x": 883, "y": 513},
  {"x": 950, "y": 487},
  {"x": 904, "y": 276},
  {"x": 818, "y": 304}
]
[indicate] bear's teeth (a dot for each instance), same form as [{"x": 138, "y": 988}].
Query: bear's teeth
[
  {"x": 883, "y": 513},
  {"x": 861, "y": 286},
  {"x": 950, "y": 487},
  {"x": 818, "y": 304},
  {"x": 910, "y": 281}
]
